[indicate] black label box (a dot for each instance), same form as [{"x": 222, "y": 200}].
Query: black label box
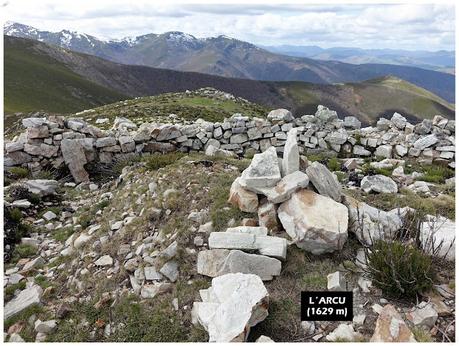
[{"x": 327, "y": 306}]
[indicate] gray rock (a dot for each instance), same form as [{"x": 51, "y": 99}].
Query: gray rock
[
  {"x": 103, "y": 261},
  {"x": 265, "y": 245},
  {"x": 352, "y": 122},
  {"x": 218, "y": 262},
  {"x": 360, "y": 151},
  {"x": 42, "y": 187},
  {"x": 285, "y": 187},
  {"x": 423, "y": 315},
  {"x": 280, "y": 115},
  {"x": 105, "y": 142},
  {"x": 384, "y": 151},
  {"x": 33, "y": 122},
  {"x": 264, "y": 338},
  {"x": 263, "y": 171},
  {"x": 152, "y": 290},
  {"x": 255, "y": 230},
  {"x": 438, "y": 237},
  {"x": 45, "y": 327},
  {"x": 151, "y": 274},
  {"x": 291, "y": 159},
  {"x": 425, "y": 142},
  {"x": 170, "y": 270},
  {"x": 378, "y": 183},
  {"x": 399, "y": 121},
  {"x": 75, "y": 158},
  {"x": 370, "y": 224},
  {"x": 324, "y": 181},
  {"x": 22, "y": 301},
  {"x": 325, "y": 115}
]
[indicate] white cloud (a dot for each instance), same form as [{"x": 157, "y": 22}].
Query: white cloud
[{"x": 407, "y": 26}]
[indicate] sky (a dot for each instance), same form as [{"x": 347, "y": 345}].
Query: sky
[{"x": 398, "y": 26}]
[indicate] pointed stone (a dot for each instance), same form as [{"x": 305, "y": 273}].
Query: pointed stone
[{"x": 291, "y": 159}]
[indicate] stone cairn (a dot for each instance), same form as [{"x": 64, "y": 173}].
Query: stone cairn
[{"x": 56, "y": 141}]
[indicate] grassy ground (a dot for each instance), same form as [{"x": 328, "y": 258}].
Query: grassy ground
[{"x": 34, "y": 81}]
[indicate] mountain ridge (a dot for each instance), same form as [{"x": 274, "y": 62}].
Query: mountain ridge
[{"x": 230, "y": 57}]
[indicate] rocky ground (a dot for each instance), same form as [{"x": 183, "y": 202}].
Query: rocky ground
[{"x": 195, "y": 247}]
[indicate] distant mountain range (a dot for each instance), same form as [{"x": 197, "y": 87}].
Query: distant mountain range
[
  {"x": 440, "y": 60},
  {"x": 228, "y": 57},
  {"x": 39, "y": 76}
]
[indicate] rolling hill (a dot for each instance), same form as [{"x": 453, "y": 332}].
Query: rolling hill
[
  {"x": 229, "y": 57},
  {"x": 35, "y": 81},
  {"x": 36, "y": 73}
]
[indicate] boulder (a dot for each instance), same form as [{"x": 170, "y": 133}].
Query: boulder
[
  {"x": 384, "y": 151},
  {"x": 425, "y": 141},
  {"x": 390, "y": 327},
  {"x": 245, "y": 200},
  {"x": 42, "y": 187},
  {"x": 170, "y": 270},
  {"x": 81, "y": 240},
  {"x": 291, "y": 159},
  {"x": 438, "y": 237},
  {"x": 280, "y": 115},
  {"x": 218, "y": 262},
  {"x": 22, "y": 301},
  {"x": 231, "y": 306},
  {"x": 103, "y": 261},
  {"x": 378, "y": 183},
  {"x": 306, "y": 219},
  {"x": 285, "y": 187},
  {"x": 75, "y": 158},
  {"x": 423, "y": 315},
  {"x": 370, "y": 224},
  {"x": 324, "y": 181},
  {"x": 325, "y": 115},
  {"x": 265, "y": 245},
  {"x": 263, "y": 171},
  {"x": 352, "y": 122},
  {"x": 399, "y": 121}
]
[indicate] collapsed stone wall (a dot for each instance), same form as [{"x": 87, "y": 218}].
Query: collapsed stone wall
[{"x": 56, "y": 141}]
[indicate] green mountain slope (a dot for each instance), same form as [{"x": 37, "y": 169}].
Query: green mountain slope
[
  {"x": 229, "y": 57},
  {"x": 40, "y": 76},
  {"x": 35, "y": 80},
  {"x": 368, "y": 100}
]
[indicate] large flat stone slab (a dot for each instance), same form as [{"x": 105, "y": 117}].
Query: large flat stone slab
[
  {"x": 265, "y": 245},
  {"x": 218, "y": 262},
  {"x": 22, "y": 301},
  {"x": 285, "y": 187},
  {"x": 324, "y": 181}
]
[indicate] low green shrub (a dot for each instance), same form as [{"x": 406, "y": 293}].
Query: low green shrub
[
  {"x": 156, "y": 161},
  {"x": 333, "y": 164},
  {"x": 399, "y": 269},
  {"x": 18, "y": 172}
]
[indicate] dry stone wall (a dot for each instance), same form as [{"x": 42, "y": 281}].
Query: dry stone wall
[{"x": 56, "y": 141}]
